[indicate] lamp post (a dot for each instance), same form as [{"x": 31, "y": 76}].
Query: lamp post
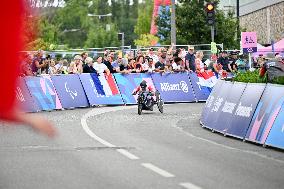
[{"x": 173, "y": 24}]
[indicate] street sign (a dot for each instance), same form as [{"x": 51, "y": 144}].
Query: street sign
[
  {"x": 213, "y": 48},
  {"x": 249, "y": 42}
]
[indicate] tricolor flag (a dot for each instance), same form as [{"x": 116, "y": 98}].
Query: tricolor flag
[
  {"x": 105, "y": 85},
  {"x": 206, "y": 79}
]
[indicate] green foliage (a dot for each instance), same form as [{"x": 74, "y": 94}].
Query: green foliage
[
  {"x": 163, "y": 22},
  {"x": 250, "y": 77},
  {"x": 193, "y": 29},
  {"x": 146, "y": 40},
  {"x": 143, "y": 24}
]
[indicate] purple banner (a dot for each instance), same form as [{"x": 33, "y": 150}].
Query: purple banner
[
  {"x": 213, "y": 95},
  {"x": 24, "y": 98},
  {"x": 266, "y": 113},
  {"x": 100, "y": 90},
  {"x": 70, "y": 91},
  {"x": 215, "y": 107},
  {"x": 174, "y": 87},
  {"x": 245, "y": 109},
  {"x": 43, "y": 92},
  {"x": 276, "y": 134}
]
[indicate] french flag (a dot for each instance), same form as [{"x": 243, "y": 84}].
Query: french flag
[
  {"x": 105, "y": 84},
  {"x": 206, "y": 79}
]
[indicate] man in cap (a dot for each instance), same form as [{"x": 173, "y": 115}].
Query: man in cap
[{"x": 190, "y": 59}]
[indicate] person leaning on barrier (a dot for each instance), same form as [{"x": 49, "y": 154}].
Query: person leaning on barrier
[
  {"x": 100, "y": 67},
  {"x": 160, "y": 65},
  {"x": 190, "y": 60},
  {"x": 38, "y": 63},
  {"x": 88, "y": 66}
]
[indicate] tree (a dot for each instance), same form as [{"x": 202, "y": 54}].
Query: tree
[
  {"x": 163, "y": 22},
  {"x": 143, "y": 24},
  {"x": 193, "y": 29},
  {"x": 146, "y": 40}
]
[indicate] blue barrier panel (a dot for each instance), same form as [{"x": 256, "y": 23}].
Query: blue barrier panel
[
  {"x": 43, "y": 92},
  {"x": 174, "y": 87},
  {"x": 95, "y": 91},
  {"x": 245, "y": 109},
  {"x": 24, "y": 98},
  {"x": 202, "y": 84},
  {"x": 213, "y": 95},
  {"x": 276, "y": 135},
  {"x": 265, "y": 114},
  {"x": 225, "y": 117},
  {"x": 70, "y": 91},
  {"x": 215, "y": 109},
  {"x": 128, "y": 82}
]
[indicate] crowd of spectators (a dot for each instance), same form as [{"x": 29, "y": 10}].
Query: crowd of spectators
[{"x": 162, "y": 61}]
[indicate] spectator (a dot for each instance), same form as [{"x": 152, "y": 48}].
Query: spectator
[
  {"x": 84, "y": 55},
  {"x": 177, "y": 65},
  {"x": 52, "y": 69},
  {"x": 139, "y": 63},
  {"x": 242, "y": 64},
  {"x": 108, "y": 64},
  {"x": 190, "y": 59},
  {"x": 232, "y": 61},
  {"x": 160, "y": 65},
  {"x": 151, "y": 65},
  {"x": 88, "y": 67},
  {"x": 198, "y": 62},
  {"x": 26, "y": 69},
  {"x": 123, "y": 67},
  {"x": 224, "y": 61},
  {"x": 38, "y": 63},
  {"x": 76, "y": 65},
  {"x": 152, "y": 55},
  {"x": 131, "y": 65},
  {"x": 60, "y": 67},
  {"x": 101, "y": 67}
]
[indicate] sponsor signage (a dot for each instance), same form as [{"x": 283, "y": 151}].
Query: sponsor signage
[{"x": 174, "y": 87}]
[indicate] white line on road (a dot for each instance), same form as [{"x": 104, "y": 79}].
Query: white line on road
[
  {"x": 157, "y": 170},
  {"x": 127, "y": 154},
  {"x": 95, "y": 112},
  {"x": 189, "y": 185}
]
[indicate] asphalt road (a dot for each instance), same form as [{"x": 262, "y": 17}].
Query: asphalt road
[{"x": 115, "y": 148}]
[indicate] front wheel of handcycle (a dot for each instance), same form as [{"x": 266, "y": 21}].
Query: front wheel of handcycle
[
  {"x": 160, "y": 104},
  {"x": 139, "y": 109}
]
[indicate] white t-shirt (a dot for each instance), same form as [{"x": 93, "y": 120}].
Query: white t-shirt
[
  {"x": 100, "y": 68},
  {"x": 175, "y": 66}
]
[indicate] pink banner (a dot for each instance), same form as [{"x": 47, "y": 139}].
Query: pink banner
[{"x": 249, "y": 39}]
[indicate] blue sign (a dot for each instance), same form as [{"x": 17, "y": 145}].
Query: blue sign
[
  {"x": 70, "y": 91},
  {"x": 276, "y": 134},
  {"x": 202, "y": 84},
  {"x": 213, "y": 95},
  {"x": 266, "y": 113},
  {"x": 128, "y": 82},
  {"x": 99, "y": 90},
  {"x": 24, "y": 98},
  {"x": 229, "y": 107},
  {"x": 174, "y": 87},
  {"x": 43, "y": 92},
  {"x": 215, "y": 107},
  {"x": 245, "y": 109}
]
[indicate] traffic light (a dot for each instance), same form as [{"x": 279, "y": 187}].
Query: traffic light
[
  {"x": 210, "y": 13},
  {"x": 119, "y": 36}
]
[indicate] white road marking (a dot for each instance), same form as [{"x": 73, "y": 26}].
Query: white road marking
[
  {"x": 157, "y": 170},
  {"x": 189, "y": 185},
  {"x": 127, "y": 154}
]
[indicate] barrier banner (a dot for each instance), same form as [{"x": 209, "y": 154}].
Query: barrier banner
[
  {"x": 128, "y": 82},
  {"x": 266, "y": 113},
  {"x": 206, "y": 108},
  {"x": 70, "y": 91},
  {"x": 24, "y": 98},
  {"x": 216, "y": 105},
  {"x": 229, "y": 107},
  {"x": 43, "y": 92},
  {"x": 99, "y": 90},
  {"x": 174, "y": 87},
  {"x": 202, "y": 84},
  {"x": 276, "y": 135},
  {"x": 245, "y": 109}
]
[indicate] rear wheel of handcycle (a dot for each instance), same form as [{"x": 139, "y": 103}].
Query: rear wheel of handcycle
[
  {"x": 160, "y": 104},
  {"x": 139, "y": 109}
]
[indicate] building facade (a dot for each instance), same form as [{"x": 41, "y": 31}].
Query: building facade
[{"x": 266, "y": 17}]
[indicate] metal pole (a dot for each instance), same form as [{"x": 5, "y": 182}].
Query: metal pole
[
  {"x": 122, "y": 42},
  {"x": 173, "y": 24},
  {"x": 238, "y": 19},
  {"x": 212, "y": 33}
]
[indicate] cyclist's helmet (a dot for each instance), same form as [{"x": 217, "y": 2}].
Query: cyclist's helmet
[{"x": 143, "y": 84}]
